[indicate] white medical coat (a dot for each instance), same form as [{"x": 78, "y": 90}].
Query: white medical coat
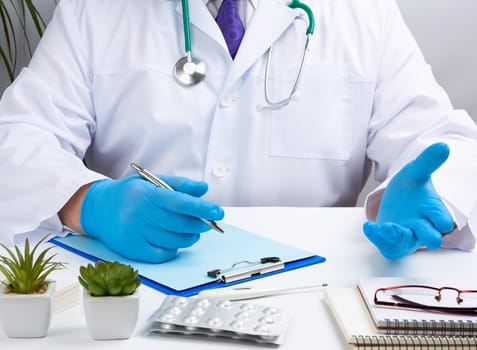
[{"x": 99, "y": 93}]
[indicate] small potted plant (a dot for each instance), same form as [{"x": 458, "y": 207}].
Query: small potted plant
[
  {"x": 26, "y": 296},
  {"x": 110, "y": 299}
]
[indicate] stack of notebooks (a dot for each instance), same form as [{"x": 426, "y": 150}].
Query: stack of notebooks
[{"x": 368, "y": 326}]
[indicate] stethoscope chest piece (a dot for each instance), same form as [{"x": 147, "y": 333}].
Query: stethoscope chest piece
[{"x": 189, "y": 70}]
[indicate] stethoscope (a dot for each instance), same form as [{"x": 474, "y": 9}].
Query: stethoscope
[{"x": 190, "y": 70}]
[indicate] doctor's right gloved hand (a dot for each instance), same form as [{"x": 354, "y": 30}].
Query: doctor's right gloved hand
[{"x": 141, "y": 221}]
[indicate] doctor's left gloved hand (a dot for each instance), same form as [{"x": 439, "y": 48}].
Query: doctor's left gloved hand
[
  {"x": 412, "y": 214},
  {"x": 141, "y": 221}
]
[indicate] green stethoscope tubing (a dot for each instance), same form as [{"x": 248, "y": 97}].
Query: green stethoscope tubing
[
  {"x": 273, "y": 105},
  {"x": 190, "y": 70},
  {"x": 186, "y": 24},
  {"x": 296, "y": 4}
]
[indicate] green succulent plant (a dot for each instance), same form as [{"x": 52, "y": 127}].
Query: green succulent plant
[
  {"x": 25, "y": 273},
  {"x": 107, "y": 278}
]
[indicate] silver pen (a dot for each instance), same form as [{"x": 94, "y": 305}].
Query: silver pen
[{"x": 161, "y": 183}]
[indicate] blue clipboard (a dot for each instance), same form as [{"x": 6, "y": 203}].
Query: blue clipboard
[{"x": 186, "y": 274}]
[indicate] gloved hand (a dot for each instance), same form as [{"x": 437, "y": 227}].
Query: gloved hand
[
  {"x": 411, "y": 213},
  {"x": 144, "y": 222}
]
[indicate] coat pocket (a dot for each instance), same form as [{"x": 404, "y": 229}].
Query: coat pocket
[{"x": 317, "y": 123}]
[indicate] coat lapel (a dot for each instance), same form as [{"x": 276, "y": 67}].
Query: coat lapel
[
  {"x": 269, "y": 22},
  {"x": 201, "y": 18}
]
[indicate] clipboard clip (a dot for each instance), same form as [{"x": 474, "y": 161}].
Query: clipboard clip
[{"x": 266, "y": 264}]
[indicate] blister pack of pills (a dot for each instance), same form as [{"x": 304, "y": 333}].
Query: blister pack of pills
[{"x": 220, "y": 318}]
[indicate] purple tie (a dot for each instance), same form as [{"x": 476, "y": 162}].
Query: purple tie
[{"x": 231, "y": 25}]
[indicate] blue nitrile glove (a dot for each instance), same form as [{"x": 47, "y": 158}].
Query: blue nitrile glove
[
  {"x": 141, "y": 221},
  {"x": 411, "y": 213}
]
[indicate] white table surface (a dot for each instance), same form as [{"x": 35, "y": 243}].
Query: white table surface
[{"x": 334, "y": 233}]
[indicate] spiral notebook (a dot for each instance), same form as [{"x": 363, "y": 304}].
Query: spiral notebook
[
  {"x": 391, "y": 320},
  {"x": 351, "y": 314}
]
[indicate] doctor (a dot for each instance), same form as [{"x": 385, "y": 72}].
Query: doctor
[{"x": 100, "y": 93}]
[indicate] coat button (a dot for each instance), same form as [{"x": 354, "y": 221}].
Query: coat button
[
  {"x": 220, "y": 170},
  {"x": 226, "y": 101}
]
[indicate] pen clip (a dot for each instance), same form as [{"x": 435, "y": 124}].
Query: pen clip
[
  {"x": 218, "y": 272},
  {"x": 251, "y": 272}
]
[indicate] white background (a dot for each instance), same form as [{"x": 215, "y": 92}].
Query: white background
[{"x": 446, "y": 31}]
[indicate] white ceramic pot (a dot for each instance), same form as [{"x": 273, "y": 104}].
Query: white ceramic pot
[
  {"x": 26, "y": 315},
  {"x": 111, "y": 317}
]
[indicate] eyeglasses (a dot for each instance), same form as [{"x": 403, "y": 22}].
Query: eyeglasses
[{"x": 422, "y": 297}]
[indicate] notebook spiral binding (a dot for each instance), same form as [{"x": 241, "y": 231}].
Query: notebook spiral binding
[
  {"x": 431, "y": 327},
  {"x": 402, "y": 342}
]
